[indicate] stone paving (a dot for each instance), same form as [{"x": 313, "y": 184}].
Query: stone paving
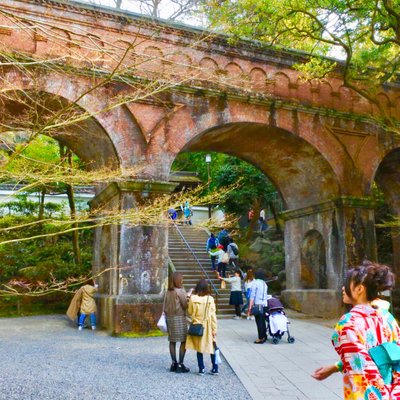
[
  {"x": 282, "y": 371},
  {"x": 46, "y": 358}
]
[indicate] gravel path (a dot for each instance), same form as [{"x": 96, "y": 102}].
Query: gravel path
[{"x": 45, "y": 358}]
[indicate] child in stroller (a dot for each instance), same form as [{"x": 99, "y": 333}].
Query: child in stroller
[{"x": 277, "y": 321}]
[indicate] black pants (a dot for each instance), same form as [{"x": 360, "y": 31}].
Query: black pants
[
  {"x": 261, "y": 326},
  {"x": 222, "y": 269}
]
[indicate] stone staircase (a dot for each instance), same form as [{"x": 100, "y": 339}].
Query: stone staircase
[{"x": 184, "y": 262}]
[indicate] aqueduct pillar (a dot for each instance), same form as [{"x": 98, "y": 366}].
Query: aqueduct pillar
[
  {"x": 134, "y": 258},
  {"x": 320, "y": 242}
]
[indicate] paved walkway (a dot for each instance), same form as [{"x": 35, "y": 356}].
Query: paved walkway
[
  {"x": 45, "y": 358},
  {"x": 282, "y": 371}
]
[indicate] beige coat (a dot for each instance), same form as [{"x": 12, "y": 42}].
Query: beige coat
[
  {"x": 88, "y": 305},
  {"x": 196, "y": 310},
  {"x": 82, "y": 301},
  {"x": 75, "y": 305}
]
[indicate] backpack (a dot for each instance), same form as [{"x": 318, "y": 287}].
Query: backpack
[
  {"x": 235, "y": 249},
  {"x": 212, "y": 243}
]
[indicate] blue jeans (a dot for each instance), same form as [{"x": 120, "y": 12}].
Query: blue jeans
[
  {"x": 200, "y": 362},
  {"x": 92, "y": 319}
]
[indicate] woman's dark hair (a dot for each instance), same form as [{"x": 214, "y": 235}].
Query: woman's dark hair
[
  {"x": 239, "y": 272},
  {"x": 260, "y": 274},
  {"x": 202, "y": 288},
  {"x": 212, "y": 235},
  {"x": 373, "y": 276},
  {"x": 175, "y": 281}
]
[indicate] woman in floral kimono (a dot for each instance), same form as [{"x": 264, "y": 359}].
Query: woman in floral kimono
[{"x": 361, "y": 329}]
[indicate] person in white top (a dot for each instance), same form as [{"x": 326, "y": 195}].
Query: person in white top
[
  {"x": 259, "y": 297},
  {"x": 236, "y": 298}
]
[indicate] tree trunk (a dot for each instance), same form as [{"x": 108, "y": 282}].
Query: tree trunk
[
  {"x": 71, "y": 202},
  {"x": 41, "y": 203},
  {"x": 253, "y": 222},
  {"x": 278, "y": 227}
]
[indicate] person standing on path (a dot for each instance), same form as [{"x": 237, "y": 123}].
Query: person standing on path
[
  {"x": 236, "y": 297},
  {"x": 202, "y": 311},
  {"x": 259, "y": 297},
  {"x": 359, "y": 331},
  {"x": 175, "y": 310},
  {"x": 84, "y": 303}
]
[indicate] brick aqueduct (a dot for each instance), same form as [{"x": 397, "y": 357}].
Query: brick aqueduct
[{"x": 318, "y": 143}]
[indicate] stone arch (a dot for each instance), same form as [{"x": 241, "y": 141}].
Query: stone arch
[
  {"x": 387, "y": 178},
  {"x": 360, "y": 104},
  {"x": 296, "y": 168},
  {"x": 92, "y": 51},
  {"x": 345, "y": 102},
  {"x": 208, "y": 68},
  {"x": 55, "y": 43},
  {"x": 304, "y": 90},
  {"x": 179, "y": 64},
  {"x": 313, "y": 274},
  {"x": 384, "y": 102},
  {"x": 119, "y": 124},
  {"x": 234, "y": 74},
  {"x": 119, "y": 50},
  {"x": 86, "y": 138},
  {"x": 152, "y": 58},
  {"x": 281, "y": 84},
  {"x": 325, "y": 94},
  {"x": 258, "y": 79}
]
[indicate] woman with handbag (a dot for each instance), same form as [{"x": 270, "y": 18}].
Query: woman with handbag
[
  {"x": 175, "y": 310},
  {"x": 258, "y": 304},
  {"x": 362, "y": 331},
  {"x": 203, "y": 315}
]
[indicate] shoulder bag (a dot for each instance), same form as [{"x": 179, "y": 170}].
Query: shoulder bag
[
  {"x": 258, "y": 309},
  {"x": 198, "y": 329},
  {"x": 162, "y": 322}
]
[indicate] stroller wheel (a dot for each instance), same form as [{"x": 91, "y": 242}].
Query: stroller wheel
[
  {"x": 275, "y": 340},
  {"x": 290, "y": 339}
]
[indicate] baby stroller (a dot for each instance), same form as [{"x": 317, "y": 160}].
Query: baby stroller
[{"x": 277, "y": 321}]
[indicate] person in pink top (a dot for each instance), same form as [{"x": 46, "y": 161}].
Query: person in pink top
[{"x": 361, "y": 329}]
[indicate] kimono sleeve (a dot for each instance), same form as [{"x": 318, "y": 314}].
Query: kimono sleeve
[{"x": 350, "y": 344}]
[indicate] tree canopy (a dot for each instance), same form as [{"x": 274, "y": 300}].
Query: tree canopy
[{"x": 363, "y": 34}]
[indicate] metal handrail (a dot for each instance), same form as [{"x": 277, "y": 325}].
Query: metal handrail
[{"x": 197, "y": 260}]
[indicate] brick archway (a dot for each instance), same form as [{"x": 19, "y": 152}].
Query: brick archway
[{"x": 301, "y": 174}]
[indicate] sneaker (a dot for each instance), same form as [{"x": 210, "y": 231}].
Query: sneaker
[
  {"x": 93, "y": 328},
  {"x": 236, "y": 317},
  {"x": 248, "y": 318},
  {"x": 181, "y": 369},
  {"x": 80, "y": 328},
  {"x": 173, "y": 367},
  {"x": 202, "y": 372},
  {"x": 215, "y": 373},
  {"x": 252, "y": 317}
]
